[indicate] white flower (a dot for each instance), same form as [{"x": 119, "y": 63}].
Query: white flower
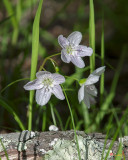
[
  {"x": 45, "y": 85},
  {"x": 88, "y": 90},
  {"x": 72, "y": 51}
]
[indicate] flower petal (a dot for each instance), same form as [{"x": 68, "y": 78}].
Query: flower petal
[
  {"x": 98, "y": 71},
  {"x": 58, "y": 79},
  {"x": 75, "y": 38},
  {"x": 81, "y": 93},
  {"x": 83, "y": 51},
  {"x": 43, "y": 96},
  {"x": 91, "y": 89},
  {"x": 86, "y": 100},
  {"x": 77, "y": 61},
  {"x": 92, "y": 79},
  {"x": 63, "y": 42},
  {"x": 57, "y": 91},
  {"x": 92, "y": 100},
  {"x": 32, "y": 85},
  {"x": 65, "y": 57},
  {"x": 40, "y": 74}
]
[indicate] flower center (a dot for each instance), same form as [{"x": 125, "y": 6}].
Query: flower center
[
  {"x": 69, "y": 50},
  {"x": 48, "y": 82}
]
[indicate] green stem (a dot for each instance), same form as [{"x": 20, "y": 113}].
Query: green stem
[
  {"x": 72, "y": 78},
  {"x": 45, "y": 60},
  {"x": 53, "y": 115},
  {"x": 34, "y": 59},
  {"x": 73, "y": 123},
  {"x": 102, "y": 63},
  {"x": 92, "y": 35},
  {"x": 44, "y": 118}
]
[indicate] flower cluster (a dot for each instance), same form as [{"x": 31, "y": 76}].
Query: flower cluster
[{"x": 48, "y": 83}]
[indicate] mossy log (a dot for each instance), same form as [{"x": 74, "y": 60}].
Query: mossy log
[{"x": 58, "y": 145}]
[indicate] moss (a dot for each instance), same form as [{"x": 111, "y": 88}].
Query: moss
[{"x": 89, "y": 149}]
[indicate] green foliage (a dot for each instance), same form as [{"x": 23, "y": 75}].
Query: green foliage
[
  {"x": 34, "y": 59},
  {"x": 12, "y": 112}
]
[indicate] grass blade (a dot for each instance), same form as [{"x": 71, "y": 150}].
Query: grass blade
[
  {"x": 73, "y": 123},
  {"x": 102, "y": 63},
  {"x": 10, "y": 11},
  {"x": 12, "y": 112},
  {"x": 92, "y": 35},
  {"x": 52, "y": 113},
  {"x": 13, "y": 83},
  {"x": 86, "y": 116},
  {"x": 123, "y": 119},
  {"x": 34, "y": 58},
  {"x": 111, "y": 95},
  {"x": 4, "y": 149},
  {"x": 59, "y": 119}
]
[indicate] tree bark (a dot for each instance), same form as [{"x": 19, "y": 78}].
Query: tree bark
[{"x": 59, "y": 145}]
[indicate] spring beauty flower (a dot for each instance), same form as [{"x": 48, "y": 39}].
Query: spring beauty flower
[
  {"x": 72, "y": 51},
  {"x": 45, "y": 85},
  {"x": 88, "y": 91}
]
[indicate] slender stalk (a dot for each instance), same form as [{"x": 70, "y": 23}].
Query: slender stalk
[
  {"x": 34, "y": 59},
  {"x": 6, "y": 154},
  {"x": 73, "y": 123},
  {"x": 102, "y": 63},
  {"x": 44, "y": 119},
  {"x": 45, "y": 60},
  {"x": 13, "y": 83},
  {"x": 92, "y": 35},
  {"x": 53, "y": 115}
]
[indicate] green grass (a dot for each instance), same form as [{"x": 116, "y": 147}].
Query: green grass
[
  {"x": 13, "y": 83},
  {"x": 34, "y": 58},
  {"x": 73, "y": 123},
  {"x": 122, "y": 121},
  {"x": 53, "y": 114},
  {"x": 11, "y": 13},
  {"x": 105, "y": 106},
  {"x": 6, "y": 154},
  {"x": 102, "y": 63},
  {"x": 92, "y": 34},
  {"x": 12, "y": 112}
]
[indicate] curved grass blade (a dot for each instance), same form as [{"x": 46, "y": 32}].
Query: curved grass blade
[
  {"x": 111, "y": 95},
  {"x": 4, "y": 149},
  {"x": 14, "y": 83},
  {"x": 59, "y": 119},
  {"x": 12, "y": 112},
  {"x": 5, "y": 19},
  {"x": 108, "y": 129},
  {"x": 123, "y": 119},
  {"x": 34, "y": 58}
]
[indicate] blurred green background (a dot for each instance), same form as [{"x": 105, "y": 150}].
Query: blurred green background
[{"x": 63, "y": 17}]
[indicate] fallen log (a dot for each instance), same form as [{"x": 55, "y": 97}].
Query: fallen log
[{"x": 58, "y": 145}]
